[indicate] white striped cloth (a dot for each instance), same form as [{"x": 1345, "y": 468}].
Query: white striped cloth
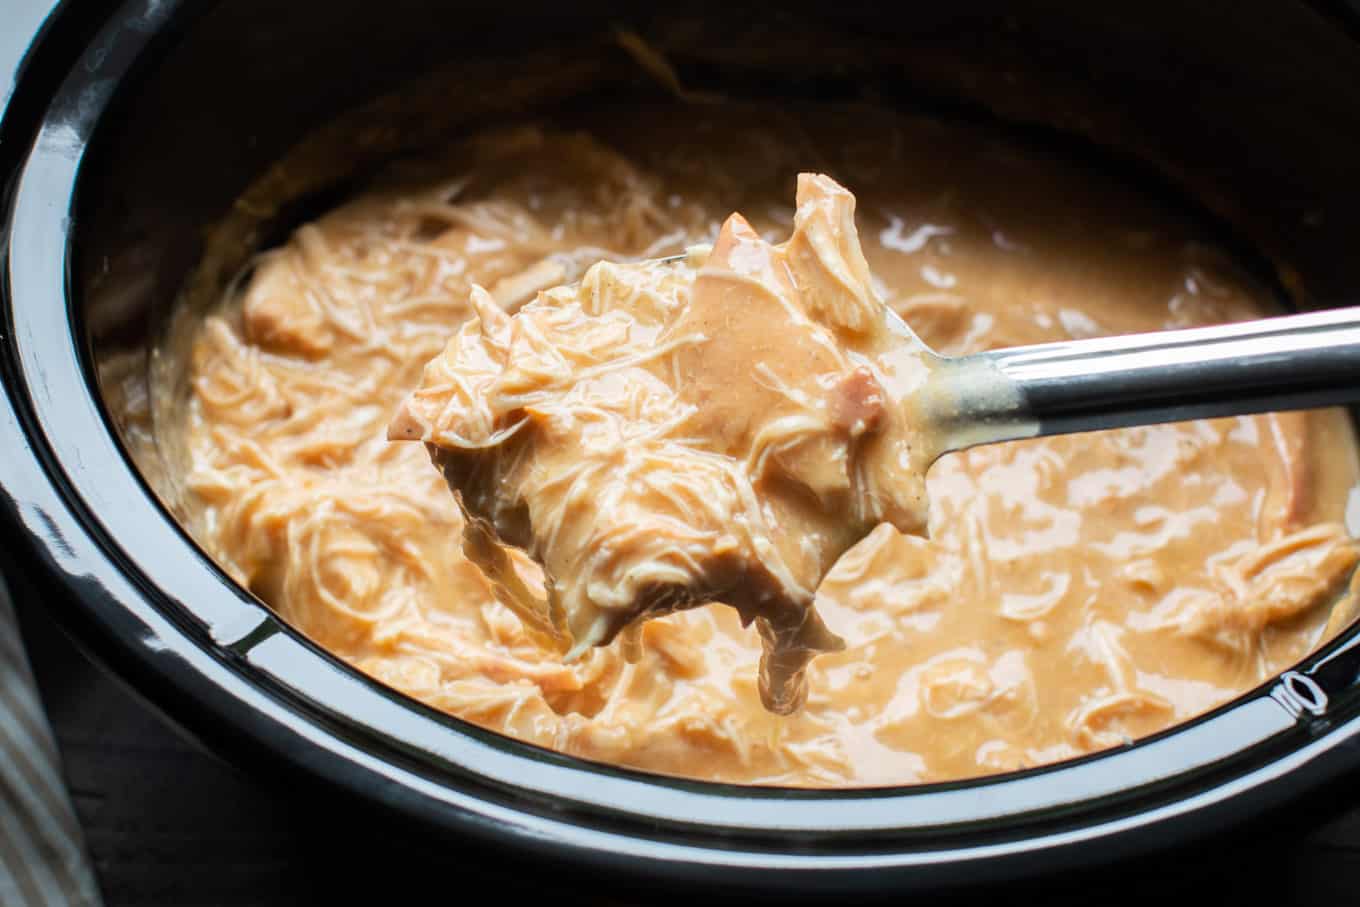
[{"x": 42, "y": 852}]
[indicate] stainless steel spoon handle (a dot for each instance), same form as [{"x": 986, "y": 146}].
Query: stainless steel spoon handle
[{"x": 1289, "y": 362}]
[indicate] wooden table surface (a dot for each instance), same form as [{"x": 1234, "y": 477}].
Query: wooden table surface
[{"x": 169, "y": 824}]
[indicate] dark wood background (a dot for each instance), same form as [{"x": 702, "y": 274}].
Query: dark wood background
[{"x": 170, "y": 825}]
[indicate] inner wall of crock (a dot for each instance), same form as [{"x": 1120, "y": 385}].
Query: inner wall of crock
[{"x": 258, "y": 116}]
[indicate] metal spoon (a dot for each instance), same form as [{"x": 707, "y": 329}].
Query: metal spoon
[{"x": 1286, "y": 362}]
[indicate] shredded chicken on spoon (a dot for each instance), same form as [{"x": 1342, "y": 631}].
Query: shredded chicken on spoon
[{"x": 660, "y": 437}]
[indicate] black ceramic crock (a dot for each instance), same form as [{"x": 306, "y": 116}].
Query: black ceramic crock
[{"x": 128, "y": 130}]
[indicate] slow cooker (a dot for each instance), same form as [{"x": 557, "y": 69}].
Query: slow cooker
[{"x": 130, "y": 130}]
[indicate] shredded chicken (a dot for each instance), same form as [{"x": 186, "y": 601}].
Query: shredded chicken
[{"x": 1070, "y": 593}]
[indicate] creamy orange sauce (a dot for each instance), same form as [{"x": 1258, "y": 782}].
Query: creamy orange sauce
[{"x": 1071, "y": 594}]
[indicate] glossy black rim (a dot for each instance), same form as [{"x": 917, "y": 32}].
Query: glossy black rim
[{"x": 212, "y": 654}]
